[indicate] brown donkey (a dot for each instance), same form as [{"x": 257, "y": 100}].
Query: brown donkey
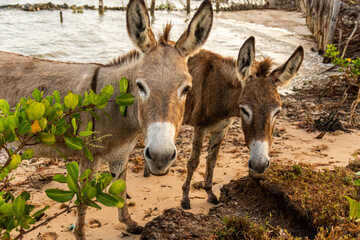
[
  {"x": 158, "y": 77},
  {"x": 224, "y": 88}
]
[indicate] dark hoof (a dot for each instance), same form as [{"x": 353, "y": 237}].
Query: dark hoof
[
  {"x": 135, "y": 230},
  {"x": 185, "y": 204},
  {"x": 146, "y": 173},
  {"x": 213, "y": 200}
]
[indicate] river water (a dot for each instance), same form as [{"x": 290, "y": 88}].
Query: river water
[{"x": 89, "y": 37}]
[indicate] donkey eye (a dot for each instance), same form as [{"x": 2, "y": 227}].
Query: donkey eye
[
  {"x": 141, "y": 87},
  {"x": 185, "y": 90},
  {"x": 276, "y": 113},
  {"x": 244, "y": 112}
]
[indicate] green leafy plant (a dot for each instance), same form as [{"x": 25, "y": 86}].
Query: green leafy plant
[
  {"x": 46, "y": 120},
  {"x": 351, "y": 67},
  {"x": 85, "y": 190}
]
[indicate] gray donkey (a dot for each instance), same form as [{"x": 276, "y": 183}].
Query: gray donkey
[
  {"x": 224, "y": 88},
  {"x": 158, "y": 77}
]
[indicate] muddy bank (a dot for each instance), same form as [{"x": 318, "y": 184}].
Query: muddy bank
[{"x": 288, "y": 201}]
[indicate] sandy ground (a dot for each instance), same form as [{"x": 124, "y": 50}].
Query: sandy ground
[{"x": 152, "y": 195}]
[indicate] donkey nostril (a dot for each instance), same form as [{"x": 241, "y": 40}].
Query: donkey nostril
[
  {"x": 250, "y": 165},
  {"x": 268, "y": 164},
  {"x": 147, "y": 153}
]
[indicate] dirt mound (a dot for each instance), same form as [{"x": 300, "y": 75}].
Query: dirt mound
[
  {"x": 178, "y": 224},
  {"x": 291, "y": 201},
  {"x": 263, "y": 204}
]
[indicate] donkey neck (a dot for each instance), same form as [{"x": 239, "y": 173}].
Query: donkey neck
[
  {"x": 216, "y": 89},
  {"x": 111, "y": 75}
]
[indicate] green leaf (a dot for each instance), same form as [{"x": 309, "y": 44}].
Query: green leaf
[
  {"x": 89, "y": 126},
  {"x": 89, "y": 191},
  {"x": 74, "y": 143},
  {"x": 93, "y": 204},
  {"x": 88, "y": 153},
  {"x": 25, "y": 195},
  {"x": 47, "y": 138},
  {"x": 35, "y": 111},
  {"x": 108, "y": 90},
  {"x": 73, "y": 171},
  {"x": 71, "y": 100},
  {"x": 123, "y": 85},
  {"x": 37, "y": 95},
  {"x": 59, "y": 195},
  {"x": 15, "y": 161},
  {"x": 24, "y": 128},
  {"x": 85, "y": 174},
  {"x": 4, "y": 106},
  {"x": 18, "y": 206},
  {"x": 125, "y": 99},
  {"x": 43, "y": 122},
  {"x": 57, "y": 97},
  {"x": 3, "y": 124},
  {"x": 117, "y": 187},
  {"x": 85, "y": 133},
  {"x": 72, "y": 184},
  {"x": 354, "y": 212},
  {"x": 107, "y": 199},
  {"x": 122, "y": 110},
  {"x": 6, "y": 208},
  {"x": 28, "y": 154},
  {"x": 41, "y": 211},
  {"x": 59, "y": 178},
  {"x": 74, "y": 125}
]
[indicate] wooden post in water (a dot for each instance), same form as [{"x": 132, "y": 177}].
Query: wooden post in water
[
  {"x": 187, "y": 6},
  {"x": 152, "y": 8},
  {"x": 101, "y": 7},
  {"x": 61, "y": 16},
  {"x": 217, "y": 5}
]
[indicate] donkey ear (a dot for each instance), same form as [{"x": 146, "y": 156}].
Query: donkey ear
[
  {"x": 138, "y": 25},
  {"x": 283, "y": 74},
  {"x": 198, "y": 30},
  {"x": 245, "y": 58}
]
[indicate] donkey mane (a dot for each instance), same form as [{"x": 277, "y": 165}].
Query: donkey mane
[
  {"x": 262, "y": 69},
  {"x": 124, "y": 59},
  {"x": 164, "y": 36}
]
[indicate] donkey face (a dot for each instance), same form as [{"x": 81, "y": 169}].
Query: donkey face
[
  {"x": 260, "y": 102},
  {"x": 163, "y": 81}
]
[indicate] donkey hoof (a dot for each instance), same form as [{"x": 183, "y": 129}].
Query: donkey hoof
[
  {"x": 185, "y": 204},
  {"x": 135, "y": 230},
  {"x": 146, "y": 173},
  {"x": 213, "y": 200}
]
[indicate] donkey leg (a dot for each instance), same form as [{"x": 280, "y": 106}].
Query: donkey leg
[
  {"x": 118, "y": 168},
  {"x": 79, "y": 229},
  {"x": 214, "y": 146},
  {"x": 192, "y": 164}
]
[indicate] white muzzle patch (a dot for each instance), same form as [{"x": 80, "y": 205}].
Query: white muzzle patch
[
  {"x": 259, "y": 156},
  {"x": 160, "y": 150}
]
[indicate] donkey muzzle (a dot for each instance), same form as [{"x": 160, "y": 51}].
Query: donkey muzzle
[
  {"x": 259, "y": 159},
  {"x": 160, "y": 151}
]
